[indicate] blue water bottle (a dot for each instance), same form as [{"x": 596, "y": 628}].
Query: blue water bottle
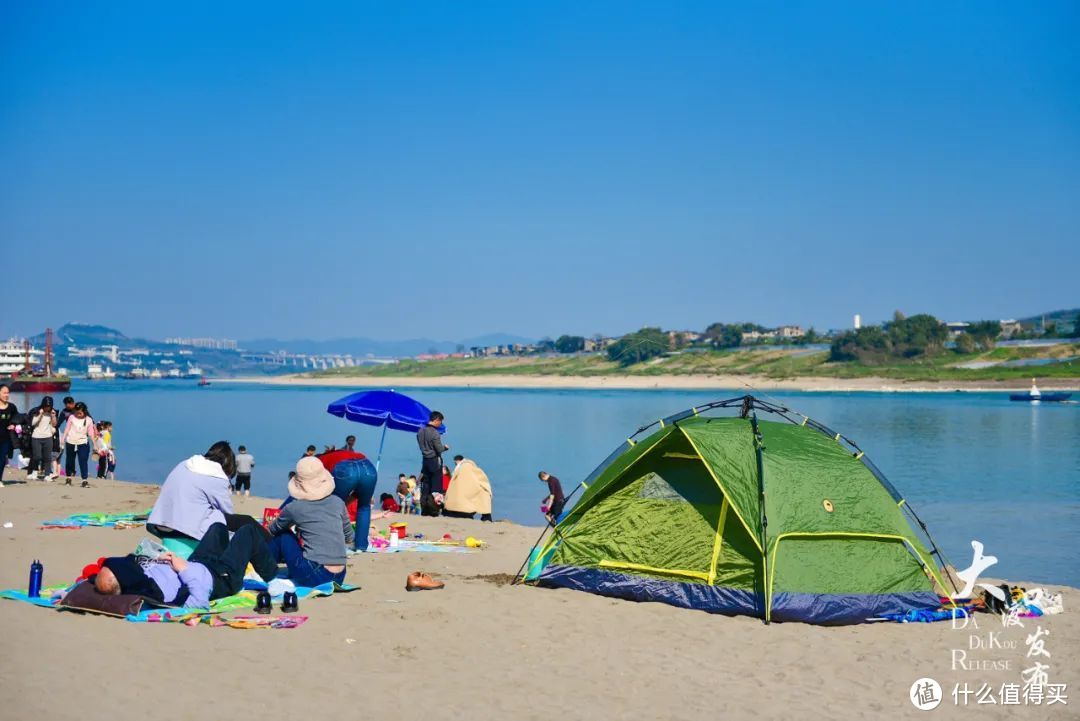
[{"x": 36, "y": 569}]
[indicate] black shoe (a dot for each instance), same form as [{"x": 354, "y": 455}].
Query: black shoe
[
  {"x": 263, "y": 603},
  {"x": 67, "y": 481},
  {"x": 289, "y": 604},
  {"x": 86, "y": 484}
]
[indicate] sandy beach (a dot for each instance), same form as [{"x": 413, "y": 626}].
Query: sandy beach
[
  {"x": 659, "y": 382},
  {"x": 479, "y": 649}
]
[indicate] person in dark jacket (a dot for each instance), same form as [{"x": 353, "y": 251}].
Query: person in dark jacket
[
  {"x": 41, "y": 429},
  {"x": 556, "y": 499},
  {"x": 431, "y": 450},
  {"x": 9, "y": 418}
]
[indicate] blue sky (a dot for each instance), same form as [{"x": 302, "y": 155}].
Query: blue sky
[{"x": 450, "y": 169}]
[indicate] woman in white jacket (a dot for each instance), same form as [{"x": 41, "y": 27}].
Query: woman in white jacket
[{"x": 79, "y": 435}]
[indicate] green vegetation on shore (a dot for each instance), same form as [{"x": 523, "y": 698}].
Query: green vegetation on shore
[{"x": 763, "y": 361}]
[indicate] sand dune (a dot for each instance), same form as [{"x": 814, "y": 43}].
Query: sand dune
[{"x": 480, "y": 649}]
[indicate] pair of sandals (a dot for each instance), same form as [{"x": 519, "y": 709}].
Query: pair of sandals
[{"x": 420, "y": 581}]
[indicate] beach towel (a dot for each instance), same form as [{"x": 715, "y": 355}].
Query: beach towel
[
  {"x": 47, "y": 599},
  {"x": 469, "y": 490},
  {"x": 242, "y": 601},
  {"x": 250, "y": 622},
  {"x": 99, "y": 520},
  {"x": 407, "y": 546}
]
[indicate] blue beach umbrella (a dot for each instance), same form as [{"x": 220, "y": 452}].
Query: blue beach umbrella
[{"x": 388, "y": 409}]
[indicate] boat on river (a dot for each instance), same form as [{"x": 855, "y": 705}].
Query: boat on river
[
  {"x": 31, "y": 378},
  {"x": 1034, "y": 395}
]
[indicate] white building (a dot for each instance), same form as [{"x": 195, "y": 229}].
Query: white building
[{"x": 212, "y": 343}]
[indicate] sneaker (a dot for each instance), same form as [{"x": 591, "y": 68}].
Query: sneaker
[
  {"x": 67, "y": 481},
  {"x": 263, "y": 604},
  {"x": 289, "y": 604},
  {"x": 32, "y": 476},
  {"x": 85, "y": 484}
]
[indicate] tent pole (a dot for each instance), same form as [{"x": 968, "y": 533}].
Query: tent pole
[
  {"x": 547, "y": 527},
  {"x": 758, "y": 442},
  {"x": 381, "y": 442}
]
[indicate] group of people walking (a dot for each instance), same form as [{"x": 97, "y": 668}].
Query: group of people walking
[{"x": 45, "y": 434}]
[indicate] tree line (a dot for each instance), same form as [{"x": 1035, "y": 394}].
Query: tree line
[{"x": 920, "y": 336}]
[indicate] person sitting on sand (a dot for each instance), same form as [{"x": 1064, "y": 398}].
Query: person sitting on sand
[
  {"x": 387, "y": 503},
  {"x": 215, "y": 569},
  {"x": 321, "y": 522},
  {"x": 469, "y": 492},
  {"x": 196, "y": 495}
]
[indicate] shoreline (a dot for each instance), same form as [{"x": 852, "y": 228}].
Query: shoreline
[{"x": 809, "y": 384}]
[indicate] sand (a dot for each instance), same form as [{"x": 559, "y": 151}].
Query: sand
[
  {"x": 480, "y": 649},
  {"x": 739, "y": 383}
]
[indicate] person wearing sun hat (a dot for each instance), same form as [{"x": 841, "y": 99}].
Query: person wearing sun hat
[{"x": 321, "y": 523}]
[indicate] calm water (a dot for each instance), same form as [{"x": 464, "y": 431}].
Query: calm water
[{"x": 972, "y": 465}]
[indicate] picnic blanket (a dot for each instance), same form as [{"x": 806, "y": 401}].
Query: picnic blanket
[
  {"x": 99, "y": 520},
  {"x": 242, "y": 601},
  {"x": 407, "y": 546}
]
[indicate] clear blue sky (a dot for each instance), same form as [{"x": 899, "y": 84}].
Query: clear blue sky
[{"x": 448, "y": 169}]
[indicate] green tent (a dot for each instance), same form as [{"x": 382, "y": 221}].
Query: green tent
[{"x": 784, "y": 520}]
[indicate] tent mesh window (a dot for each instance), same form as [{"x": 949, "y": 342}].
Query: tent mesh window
[{"x": 655, "y": 487}]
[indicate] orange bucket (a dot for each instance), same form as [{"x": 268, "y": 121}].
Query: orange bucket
[{"x": 398, "y": 528}]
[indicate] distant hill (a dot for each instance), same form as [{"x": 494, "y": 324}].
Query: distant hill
[
  {"x": 84, "y": 334},
  {"x": 1068, "y": 315},
  {"x": 359, "y": 347},
  {"x": 1066, "y": 320}
]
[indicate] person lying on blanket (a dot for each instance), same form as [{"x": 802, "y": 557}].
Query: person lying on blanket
[
  {"x": 215, "y": 569},
  {"x": 321, "y": 521}
]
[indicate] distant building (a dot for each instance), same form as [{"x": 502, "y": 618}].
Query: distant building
[
  {"x": 755, "y": 336},
  {"x": 1010, "y": 327},
  {"x": 956, "y": 327},
  {"x": 790, "y": 331},
  {"x": 212, "y": 343},
  {"x": 679, "y": 338},
  {"x": 858, "y": 321}
]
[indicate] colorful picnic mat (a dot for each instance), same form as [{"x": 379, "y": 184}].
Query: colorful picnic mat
[
  {"x": 99, "y": 520},
  {"x": 407, "y": 546},
  {"x": 242, "y": 601}
]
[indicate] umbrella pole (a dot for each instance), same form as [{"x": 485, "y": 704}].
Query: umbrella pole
[{"x": 381, "y": 441}]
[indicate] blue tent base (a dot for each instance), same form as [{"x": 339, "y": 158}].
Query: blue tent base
[{"x": 820, "y": 609}]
